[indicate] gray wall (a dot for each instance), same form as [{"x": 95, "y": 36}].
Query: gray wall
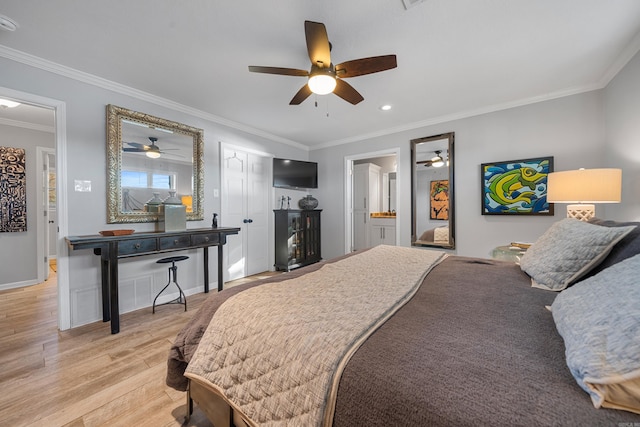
[
  {"x": 594, "y": 129},
  {"x": 18, "y": 250},
  {"x": 622, "y": 106},
  {"x": 140, "y": 278},
  {"x": 571, "y": 129}
]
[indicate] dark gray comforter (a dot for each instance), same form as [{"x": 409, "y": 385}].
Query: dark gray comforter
[{"x": 475, "y": 346}]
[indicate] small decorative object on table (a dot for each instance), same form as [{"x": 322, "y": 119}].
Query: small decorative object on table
[
  {"x": 308, "y": 203},
  {"x": 115, "y": 232},
  {"x": 154, "y": 204},
  {"x": 174, "y": 217},
  {"x": 214, "y": 223}
]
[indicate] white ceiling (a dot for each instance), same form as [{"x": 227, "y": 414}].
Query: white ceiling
[{"x": 455, "y": 57}]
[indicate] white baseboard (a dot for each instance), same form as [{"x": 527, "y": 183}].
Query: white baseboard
[{"x": 5, "y": 286}]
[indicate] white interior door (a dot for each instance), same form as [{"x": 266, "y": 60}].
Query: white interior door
[
  {"x": 245, "y": 204},
  {"x": 257, "y": 236},
  {"x": 46, "y": 165}
]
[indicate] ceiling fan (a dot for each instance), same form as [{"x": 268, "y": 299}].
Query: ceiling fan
[
  {"x": 324, "y": 77},
  {"x": 436, "y": 161},
  {"x": 152, "y": 151}
]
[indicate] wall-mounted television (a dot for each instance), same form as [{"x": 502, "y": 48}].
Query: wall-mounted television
[{"x": 295, "y": 174}]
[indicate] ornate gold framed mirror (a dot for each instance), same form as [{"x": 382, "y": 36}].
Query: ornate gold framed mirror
[
  {"x": 149, "y": 158},
  {"x": 432, "y": 191}
]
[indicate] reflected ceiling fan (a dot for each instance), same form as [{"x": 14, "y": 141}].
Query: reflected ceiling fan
[
  {"x": 436, "y": 161},
  {"x": 324, "y": 77},
  {"x": 152, "y": 151}
]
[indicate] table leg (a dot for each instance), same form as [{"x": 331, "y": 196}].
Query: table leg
[
  {"x": 113, "y": 287},
  {"x": 220, "y": 268},
  {"x": 106, "y": 307},
  {"x": 206, "y": 269}
]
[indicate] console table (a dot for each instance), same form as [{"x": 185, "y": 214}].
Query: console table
[{"x": 112, "y": 248}]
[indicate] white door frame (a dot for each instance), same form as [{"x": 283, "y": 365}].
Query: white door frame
[
  {"x": 348, "y": 190},
  {"x": 64, "y": 305}
]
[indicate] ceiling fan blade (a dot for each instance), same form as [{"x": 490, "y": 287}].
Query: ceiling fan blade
[
  {"x": 360, "y": 67},
  {"x": 132, "y": 150},
  {"x": 278, "y": 70},
  {"x": 345, "y": 91},
  {"x": 317, "y": 43},
  {"x": 302, "y": 94},
  {"x": 135, "y": 144}
]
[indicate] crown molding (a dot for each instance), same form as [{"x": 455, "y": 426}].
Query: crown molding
[
  {"x": 81, "y": 76},
  {"x": 27, "y": 125}
]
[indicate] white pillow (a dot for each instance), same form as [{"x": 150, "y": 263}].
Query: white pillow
[
  {"x": 599, "y": 320},
  {"x": 567, "y": 251}
]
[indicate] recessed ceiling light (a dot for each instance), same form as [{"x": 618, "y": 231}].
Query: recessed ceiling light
[
  {"x": 385, "y": 107},
  {"x": 8, "y": 24}
]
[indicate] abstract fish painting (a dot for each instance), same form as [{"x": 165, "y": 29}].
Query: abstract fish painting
[{"x": 516, "y": 187}]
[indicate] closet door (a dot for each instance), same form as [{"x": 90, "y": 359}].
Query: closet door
[
  {"x": 257, "y": 235},
  {"x": 245, "y": 185}
]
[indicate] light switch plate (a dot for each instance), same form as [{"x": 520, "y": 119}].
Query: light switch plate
[{"x": 82, "y": 186}]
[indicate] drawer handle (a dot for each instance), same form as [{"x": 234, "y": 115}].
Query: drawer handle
[
  {"x": 206, "y": 239},
  {"x": 137, "y": 245},
  {"x": 175, "y": 242}
]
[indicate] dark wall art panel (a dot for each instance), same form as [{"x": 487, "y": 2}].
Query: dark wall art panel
[{"x": 13, "y": 194}]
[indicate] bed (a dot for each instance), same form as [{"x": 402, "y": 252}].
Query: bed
[
  {"x": 473, "y": 344},
  {"x": 438, "y": 235}
]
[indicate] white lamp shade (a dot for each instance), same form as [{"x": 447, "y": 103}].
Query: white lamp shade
[{"x": 585, "y": 186}]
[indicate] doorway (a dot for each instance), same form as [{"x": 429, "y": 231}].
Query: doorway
[
  {"x": 245, "y": 203},
  {"x": 358, "y": 228},
  {"x": 39, "y": 104}
]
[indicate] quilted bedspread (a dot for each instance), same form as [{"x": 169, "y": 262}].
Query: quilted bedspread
[{"x": 275, "y": 352}]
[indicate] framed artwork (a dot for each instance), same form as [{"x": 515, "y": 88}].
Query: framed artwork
[
  {"x": 439, "y": 200},
  {"x": 13, "y": 193},
  {"x": 516, "y": 187}
]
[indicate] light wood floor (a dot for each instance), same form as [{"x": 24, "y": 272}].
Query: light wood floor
[{"x": 86, "y": 376}]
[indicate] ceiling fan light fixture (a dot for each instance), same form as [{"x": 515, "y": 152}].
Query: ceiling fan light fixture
[
  {"x": 437, "y": 161},
  {"x": 153, "y": 154},
  {"x": 322, "y": 82}
]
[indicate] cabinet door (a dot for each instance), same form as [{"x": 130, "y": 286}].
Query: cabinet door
[
  {"x": 312, "y": 236},
  {"x": 377, "y": 235},
  {"x": 389, "y": 234}
]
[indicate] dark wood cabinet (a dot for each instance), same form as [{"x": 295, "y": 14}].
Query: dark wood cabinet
[{"x": 297, "y": 238}]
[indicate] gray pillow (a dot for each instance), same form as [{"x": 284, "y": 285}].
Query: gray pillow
[
  {"x": 599, "y": 321},
  {"x": 567, "y": 251},
  {"x": 625, "y": 248}
]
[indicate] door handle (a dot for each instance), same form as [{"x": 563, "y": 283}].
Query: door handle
[{"x": 247, "y": 220}]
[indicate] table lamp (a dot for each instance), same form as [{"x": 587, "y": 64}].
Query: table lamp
[{"x": 582, "y": 188}]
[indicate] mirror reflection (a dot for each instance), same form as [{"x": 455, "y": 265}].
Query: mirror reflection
[
  {"x": 432, "y": 191},
  {"x": 149, "y": 160}
]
